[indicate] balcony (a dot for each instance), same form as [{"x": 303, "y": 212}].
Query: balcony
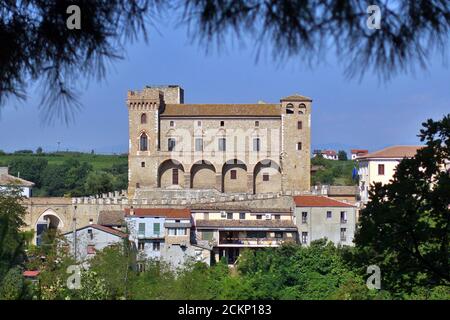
[
  {"x": 250, "y": 242},
  {"x": 142, "y": 235}
]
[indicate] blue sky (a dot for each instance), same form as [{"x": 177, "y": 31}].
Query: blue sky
[{"x": 346, "y": 113}]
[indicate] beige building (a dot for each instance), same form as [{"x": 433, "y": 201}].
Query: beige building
[
  {"x": 230, "y": 148},
  {"x": 379, "y": 166}
]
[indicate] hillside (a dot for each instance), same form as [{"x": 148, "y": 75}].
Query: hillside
[
  {"x": 69, "y": 173},
  {"x": 332, "y": 172}
]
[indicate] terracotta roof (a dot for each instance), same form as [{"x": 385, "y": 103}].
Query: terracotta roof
[
  {"x": 318, "y": 201},
  {"x": 111, "y": 218},
  {"x": 358, "y": 151},
  {"x": 236, "y": 208},
  {"x": 6, "y": 179},
  {"x": 222, "y": 110},
  {"x": 160, "y": 212},
  {"x": 31, "y": 273},
  {"x": 296, "y": 97},
  {"x": 328, "y": 152},
  {"x": 394, "y": 152},
  {"x": 268, "y": 224}
]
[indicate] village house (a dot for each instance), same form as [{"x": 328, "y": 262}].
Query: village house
[
  {"x": 355, "y": 153},
  {"x": 7, "y": 181},
  {"x": 318, "y": 217}
]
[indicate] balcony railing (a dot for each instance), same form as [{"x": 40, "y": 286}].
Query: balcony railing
[{"x": 252, "y": 241}]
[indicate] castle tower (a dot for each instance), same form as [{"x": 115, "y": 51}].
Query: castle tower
[
  {"x": 144, "y": 108},
  {"x": 296, "y": 143}
]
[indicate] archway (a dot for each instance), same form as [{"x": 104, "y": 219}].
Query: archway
[
  {"x": 170, "y": 172},
  {"x": 203, "y": 175},
  {"x": 234, "y": 176},
  {"x": 47, "y": 221},
  {"x": 266, "y": 177}
]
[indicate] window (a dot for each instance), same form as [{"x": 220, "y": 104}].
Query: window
[
  {"x": 199, "y": 123},
  {"x": 172, "y": 231},
  {"x": 138, "y": 185},
  {"x": 290, "y": 108},
  {"x": 302, "y": 109},
  {"x": 233, "y": 174},
  {"x": 172, "y": 123},
  {"x": 265, "y": 177},
  {"x": 256, "y": 123},
  {"x": 328, "y": 214},
  {"x": 141, "y": 245},
  {"x": 381, "y": 169},
  {"x": 171, "y": 144},
  {"x": 343, "y": 235},
  {"x": 90, "y": 249},
  {"x": 229, "y": 215},
  {"x": 143, "y": 118},
  {"x": 143, "y": 142},
  {"x": 141, "y": 229},
  {"x": 343, "y": 217},
  {"x": 181, "y": 231},
  {"x": 198, "y": 144},
  {"x": 242, "y": 215},
  {"x": 156, "y": 246},
  {"x": 222, "y": 123},
  {"x": 304, "y": 237},
  {"x": 278, "y": 235},
  {"x": 174, "y": 176},
  {"x": 256, "y": 144},
  {"x": 277, "y": 217},
  {"x": 143, "y": 164},
  {"x": 91, "y": 234},
  {"x": 156, "y": 228},
  {"x": 259, "y": 216},
  {"x": 304, "y": 217},
  {"x": 299, "y": 125},
  {"x": 299, "y": 146},
  {"x": 207, "y": 235},
  {"x": 222, "y": 144}
]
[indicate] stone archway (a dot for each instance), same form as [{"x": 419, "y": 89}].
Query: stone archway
[
  {"x": 234, "y": 176},
  {"x": 203, "y": 175},
  {"x": 48, "y": 220},
  {"x": 170, "y": 172},
  {"x": 266, "y": 177}
]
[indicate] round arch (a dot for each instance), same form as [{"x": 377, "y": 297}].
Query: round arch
[
  {"x": 48, "y": 220},
  {"x": 234, "y": 176},
  {"x": 266, "y": 176},
  {"x": 170, "y": 172},
  {"x": 203, "y": 175}
]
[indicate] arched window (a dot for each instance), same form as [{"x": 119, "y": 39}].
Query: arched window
[
  {"x": 143, "y": 118},
  {"x": 143, "y": 142},
  {"x": 289, "y": 108},
  {"x": 302, "y": 109}
]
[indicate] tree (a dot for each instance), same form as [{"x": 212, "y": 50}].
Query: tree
[
  {"x": 39, "y": 150},
  {"x": 38, "y": 46},
  {"x": 11, "y": 239},
  {"x": 29, "y": 168},
  {"x": 12, "y": 286},
  {"x": 405, "y": 227},
  {"x": 342, "y": 155}
]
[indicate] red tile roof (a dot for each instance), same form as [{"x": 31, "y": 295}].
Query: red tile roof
[
  {"x": 31, "y": 273},
  {"x": 394, "y": 152},
  {"x": 359, "y": 151},
  {"x": 222, "y": 110},
  {"x": 318, "y": 201},
  {"x": 160, "y": 212},
  {"x": 109, "y": 230},
  {"x": 329, "y": 152}
]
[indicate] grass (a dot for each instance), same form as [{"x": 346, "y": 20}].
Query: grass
[{"x": 98, "y": 161}]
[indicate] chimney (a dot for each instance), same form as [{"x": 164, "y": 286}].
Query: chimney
[{"x": 131, "y": 211}]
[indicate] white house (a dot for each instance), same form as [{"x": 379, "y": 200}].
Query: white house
[
  {"x": 7, "y": 180},
  {"x": 379, "y": 166},
  {"x": 356, "y": 153},
  {"x": 326, "y": 154}
]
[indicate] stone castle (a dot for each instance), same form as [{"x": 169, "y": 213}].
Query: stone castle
[{"x": 226, "y": 148}]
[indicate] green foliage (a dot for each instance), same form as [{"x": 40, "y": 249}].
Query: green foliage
[
  {"x": 39, "y": 150},
  {"x": 342, "y": 155},
  {"x": 12, "y": 287},
  {"x": 30, "y": 169},
  {"x": 11, "y": 221},
  {"x": 405, "y": 227},
  {"x": 332, "y": 172}
]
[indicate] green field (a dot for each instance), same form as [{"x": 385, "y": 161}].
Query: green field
[{"x": 98, "y": 162}]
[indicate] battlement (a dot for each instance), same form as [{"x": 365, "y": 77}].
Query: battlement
[{"x": 170, "y": 94}]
